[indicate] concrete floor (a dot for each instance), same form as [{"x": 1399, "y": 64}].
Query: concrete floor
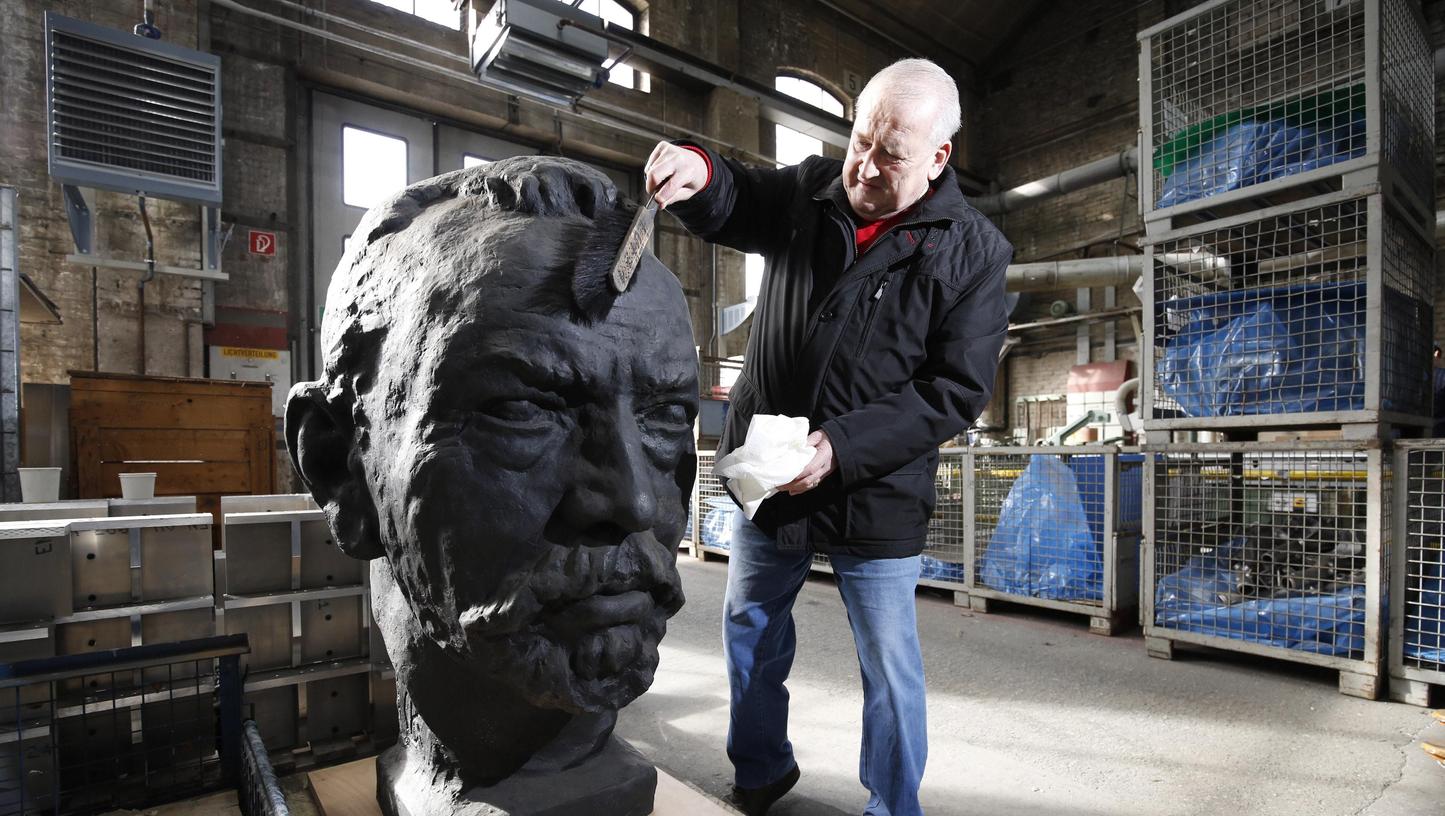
[{"x": 1030, "y": 715}]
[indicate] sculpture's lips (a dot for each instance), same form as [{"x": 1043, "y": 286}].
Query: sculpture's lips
[{"x": 601, "y": 612}]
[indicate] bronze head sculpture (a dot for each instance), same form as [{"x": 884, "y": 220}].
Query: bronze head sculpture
[{"x": 510, "y": 443}]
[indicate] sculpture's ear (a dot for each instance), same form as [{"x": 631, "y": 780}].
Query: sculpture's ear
[{"x": 321, "y": 440}]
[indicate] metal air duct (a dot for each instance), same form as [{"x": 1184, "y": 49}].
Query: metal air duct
[{"x": 532, "y": 48}]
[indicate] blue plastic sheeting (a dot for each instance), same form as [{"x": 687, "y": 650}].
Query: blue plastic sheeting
[
  {"x": 1425, "y": 611},
  {"x": 722, "y": 519},
  {"x": 1042, "y": 546},
  {"x": 1273, "y": 351},
  {"x": 1253, "y": 152},
  {"x": 1188, "y": 600},
  {"x": 935, "y": 570}
]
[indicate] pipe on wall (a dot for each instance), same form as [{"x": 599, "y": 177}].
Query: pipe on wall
[{"x": 1075, "y": 178}]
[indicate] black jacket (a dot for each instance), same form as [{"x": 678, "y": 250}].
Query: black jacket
[{"x": 890, "y": 354}]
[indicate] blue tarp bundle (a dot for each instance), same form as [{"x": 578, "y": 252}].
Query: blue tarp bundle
[
  {"x": 936, "y": 570},
  {"x": 1042, "y": 546},
  {"x": 1425, "y": 624},
  {"x": 1256, "y": 151},
  {"x": 1189, "y": 600},
  {"x": 722, "y": 519},
  {"x": 1251, "y": 351}
]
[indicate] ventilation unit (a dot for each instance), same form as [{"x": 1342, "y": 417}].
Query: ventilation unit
[
  {"x": 537, "y": 49},
  {"x": 133, "y": 115}
]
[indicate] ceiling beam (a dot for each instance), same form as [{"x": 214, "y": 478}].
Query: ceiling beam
[{"x": 918, "y": 42}]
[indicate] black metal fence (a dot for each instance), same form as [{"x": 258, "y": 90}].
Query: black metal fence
[{"x": 120, "y": 728}]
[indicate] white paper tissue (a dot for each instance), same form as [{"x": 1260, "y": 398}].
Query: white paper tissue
[{"x": 773, "y": 454}]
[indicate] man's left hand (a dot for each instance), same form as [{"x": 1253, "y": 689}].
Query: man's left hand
[{"x": 817, "y": 470}]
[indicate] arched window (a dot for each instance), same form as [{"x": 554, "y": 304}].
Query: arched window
[
  {"x": 621, "y": 15},
  {"x": 791, "y": 146}
]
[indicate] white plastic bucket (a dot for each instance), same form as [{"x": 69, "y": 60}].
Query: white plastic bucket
[
  {"x": 39, "y": 484},
  {"x": 138, "y": 485}
]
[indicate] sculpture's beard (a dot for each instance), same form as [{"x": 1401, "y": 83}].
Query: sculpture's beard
[{"x": 580, "y": 632}]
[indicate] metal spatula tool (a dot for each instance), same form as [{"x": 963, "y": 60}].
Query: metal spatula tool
[{"x": 634, "y": 243}]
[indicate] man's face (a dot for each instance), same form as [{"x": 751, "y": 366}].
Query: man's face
[
  {"x": 531, "y": 474},
  {"x": 891, "y": 158}
]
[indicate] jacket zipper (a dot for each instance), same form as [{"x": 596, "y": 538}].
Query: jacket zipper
[{"x": 872, "y": 315}]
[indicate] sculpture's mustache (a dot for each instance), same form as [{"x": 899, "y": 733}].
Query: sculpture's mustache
[{"x": 569, "y": 574}]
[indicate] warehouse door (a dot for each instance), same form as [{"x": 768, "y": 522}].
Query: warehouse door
[{"x": 360, "y": 155}]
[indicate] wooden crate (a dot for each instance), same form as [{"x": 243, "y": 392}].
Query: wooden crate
[{"x": 206, "y": 438}]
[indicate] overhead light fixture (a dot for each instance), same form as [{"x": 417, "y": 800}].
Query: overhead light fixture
[{"x": 539, "y": 49}]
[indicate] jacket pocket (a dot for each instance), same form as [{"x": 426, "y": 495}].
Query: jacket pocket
[
  {"x": 743, "y": 403},
  {"x": 895, "y": 507},
  {"x": 873, "y": 300}
]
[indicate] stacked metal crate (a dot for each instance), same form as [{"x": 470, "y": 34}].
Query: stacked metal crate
[
  {"x": 1288, "y": 199},
  {"x": 1048, "y": 526},
  {"x": 1417, "y": 574},
  {"x": 310, "y": 676}
]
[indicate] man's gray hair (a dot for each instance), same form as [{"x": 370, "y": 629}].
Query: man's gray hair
[{"x": 915, "y": 81}]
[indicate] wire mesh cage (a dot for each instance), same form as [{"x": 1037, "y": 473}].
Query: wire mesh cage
[
  {"x": 1417, "y": 574},
  {"x": 714, "y": 513},
  {"x": 1315, "y": 313},
  {"x": 945, "y": 554},
  {"x": 1243, "y": 97},
  {"x": 117, "y": 730},
  {"x": 1056, "y": 527},
  {"x": 1270, "y": 549}
]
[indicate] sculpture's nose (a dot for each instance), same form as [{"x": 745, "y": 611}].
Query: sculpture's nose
[{"x": 617, "y": 483}]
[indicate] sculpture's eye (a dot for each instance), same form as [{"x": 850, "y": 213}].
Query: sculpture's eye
[
  {"x": 668, "y": 417},
  {"x": 522, "y": 412}
]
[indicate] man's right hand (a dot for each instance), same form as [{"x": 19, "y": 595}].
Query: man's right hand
[{"x": 674, "y": 173}]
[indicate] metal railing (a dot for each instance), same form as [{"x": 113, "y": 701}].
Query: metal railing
[
  {"x": 120, "y": 728},
  {"x": 258, "y": 792}
]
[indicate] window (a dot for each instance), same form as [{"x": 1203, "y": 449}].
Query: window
[
  {"x": 468, "y": 160},
  {"x": 373, "y": 166},
  {"x": 620, "y": 15},
  {"x": 792, "y": 146},
  {"x": 441, "y": 12}
]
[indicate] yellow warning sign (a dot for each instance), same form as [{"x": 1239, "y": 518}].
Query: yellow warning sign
[{"x": 249, "y": 353}]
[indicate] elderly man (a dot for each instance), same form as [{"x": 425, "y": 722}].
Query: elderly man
[
  {"x": 510, "y": 442},
  {"x": 880, "y": 320}
]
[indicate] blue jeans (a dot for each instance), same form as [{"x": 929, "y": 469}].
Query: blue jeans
[{"x": 759, "y": 641}]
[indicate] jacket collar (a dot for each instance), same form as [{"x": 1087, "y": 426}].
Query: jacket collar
[{"x": 946, "y": 204}]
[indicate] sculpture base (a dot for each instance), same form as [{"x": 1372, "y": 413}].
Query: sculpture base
[
  {"x": 618, "y": 780},
  {"x": 350, "y": 790}
]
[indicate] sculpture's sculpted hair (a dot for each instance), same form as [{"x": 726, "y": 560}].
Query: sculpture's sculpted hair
[{"x": 515, "y": 190}]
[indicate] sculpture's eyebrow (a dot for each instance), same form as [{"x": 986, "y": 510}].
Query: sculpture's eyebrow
[{"x": 556, "y": 373}]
